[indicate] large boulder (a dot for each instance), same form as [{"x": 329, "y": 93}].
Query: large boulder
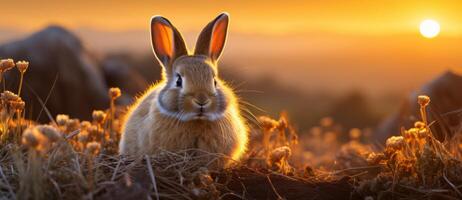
[
  {"x": 55, "y": 53},
  {"x": 445, "y": 108}
]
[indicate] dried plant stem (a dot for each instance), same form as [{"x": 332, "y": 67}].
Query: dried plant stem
[
  {"x": 151, "y": 173},
  {"x": 91, "y": 177},
  {"x": 423, "y": 113},
  {"x": 274, "y": 189},
  {"x": 111, "y": 118},
  {"x": 8, "y": 186},
  {"x": 452, "y": 185},
  {"x": 3, "y": 80},
  {"x": 20, "y": 84}
]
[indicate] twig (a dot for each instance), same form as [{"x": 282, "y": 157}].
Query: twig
[
  {"x": 452, "y": 185},
  {"x": 355, "y": 168},
  {"x": 273, "y": 188},
  {"x": 72, "y": 134},
  {"x": 8, "y": 186},
  {"x": 116, "y": 169},
  {"x": 151, "y": 173}
]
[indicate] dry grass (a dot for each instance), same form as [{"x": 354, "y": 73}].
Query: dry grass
[{"x": 72, "y": 159}]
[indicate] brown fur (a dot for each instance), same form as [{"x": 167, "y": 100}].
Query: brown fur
[{"x": 166, "y": 117}]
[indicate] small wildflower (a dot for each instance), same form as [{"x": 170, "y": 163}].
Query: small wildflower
[
  {"x": 72, "y": 124},
  {"x": 283, "y": 121},
  {"x": 62, "y": 119},
  {"x": 280, "y": 154},
  {"x": 410, "y": 134},
  {"x": 93, "y": 130},
  {"x": 6, "y": 64},
  {"x": 114, "y": 93},
  {"x": 22, "y": 66},
  {"x": 32, "y": 138},
  {"x": 83, "y": 136},
  {"x": 8, "y": 96},
  {"x": 17, "y": 105},
  {"x": 326, "y": 122},
  {"x": 355, "y": 134},
  {"x": 267, "y": 123},
  {"x": 84, "y": 125},
  {"x": 423, "y": 100},
  {"x": 50, "y": 132},
  {"x": 93, "y": 148},
  {"x": 375, "y": 158},
  {"x": 29, "y": 138},
  {"x": 395, "y": 142},
  {"x": 419, "y": 125},
  {"x": 422, "y": 133},
  {"x": 99, "y": 116}
]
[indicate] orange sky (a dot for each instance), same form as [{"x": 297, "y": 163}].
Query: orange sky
[
  {"x": 353, "y": 17},
  {"x": 339, "y": 45}
]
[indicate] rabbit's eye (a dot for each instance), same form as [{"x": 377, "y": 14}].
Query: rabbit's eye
[
  {"x": 179, "y": 81},
  {"x": 215, "y": 82}
]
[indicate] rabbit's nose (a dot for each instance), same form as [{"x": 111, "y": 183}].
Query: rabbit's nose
[{"x": 201, "y": 100}]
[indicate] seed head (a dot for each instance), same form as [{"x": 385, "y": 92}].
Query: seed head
[
  {"x": 22, "y": 66},
  {"x": 99, "y": 116},
  {"x": 422, "y": 133},
  {"x": 72, "y": 124},
  {"x": 29, "y": 138},
  {"x": 93, "y": 148},
  {"x": 6, "y": 64},
  {"x": 326, "y": 122},
  {"x": 423, "y": 100},
  {"x": 83, "y": 136},
  {"x": 93, "y": 130},
  {"x": 32, "y": 138},
  {"x": 8, "y": 96},
  {"x": 411, "y": 134},
  {"x": 279, "y": 154},
  {"x": 84, "y": 125},
  {"x": 62, "y": 119},
  {"x": 114, "y": 93},
  {"x": 395, "y": 142},
  {"x": 375, "y": 158},
  {"x": 267, "y": 123},
  {"x": 17, "y": 105},
  {"x": 355, "y": 134},
  {"x": 50, "y": 132},
  {"x": 419, "y": 125},
  {"x": 283, "y": 121}
]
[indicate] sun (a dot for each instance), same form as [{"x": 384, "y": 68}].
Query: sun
[{"x": 429, "y": 28}]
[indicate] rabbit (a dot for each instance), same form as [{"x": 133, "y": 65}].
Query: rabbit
[{"x": 191, "y": 107}]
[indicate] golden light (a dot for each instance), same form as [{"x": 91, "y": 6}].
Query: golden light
[{"x": 429, "y": 28}]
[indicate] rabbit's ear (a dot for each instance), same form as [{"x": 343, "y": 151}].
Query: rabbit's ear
[
  {"x": 167, "y": 42},
  {"x": 212, "y": 39}
]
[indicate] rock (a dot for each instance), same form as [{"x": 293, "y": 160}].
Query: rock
[
  {"x": 55, "y": 53},
  {"x": 445, "y": 108},
  {"x": 119, "y": 71}
]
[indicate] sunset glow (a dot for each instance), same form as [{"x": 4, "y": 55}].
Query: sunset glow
[{"x": 429, "y": 28}]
